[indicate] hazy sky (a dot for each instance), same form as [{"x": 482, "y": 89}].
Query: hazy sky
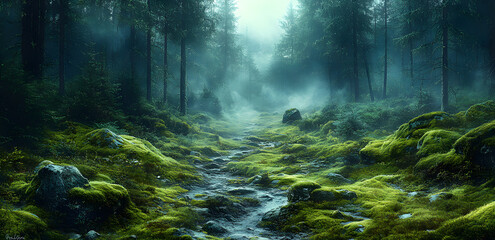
[{"x": 262, "y": 18}]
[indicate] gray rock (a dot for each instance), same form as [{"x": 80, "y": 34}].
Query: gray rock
[
  {"x": 212, "y": 166},
  {"x": 347, "y": 195},
  {"x": 301, "y": 192},
  {"x": 337, "y": 178},
  {"x": 213, "y": 227},
  {"x": 92, "y": 235},
  {"x": 105, "y": 138},
  {"x": 275, "y": 217},
  {"x": 291, "y": 115},
  {"x": 74, "y": 236},
  {"x": 405, "y": 216},
  {"x": 55, "y": 183}
]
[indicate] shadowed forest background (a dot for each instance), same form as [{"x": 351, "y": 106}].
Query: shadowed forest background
[{"x": 137, "y": 98}]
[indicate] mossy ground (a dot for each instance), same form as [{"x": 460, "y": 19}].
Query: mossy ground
[
  {"x": 395, "y": 176},
  {"x": 395, "y": 171}
]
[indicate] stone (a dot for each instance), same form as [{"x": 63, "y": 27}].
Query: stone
[
  {"x": 55, "y": 183},
  {"x": 105, "y": 138},
  {"x": 347, "y": 195},
  {"x": 74, "y": 236},
  {"x": 212, "y": 166},
  {"x": 323, "y": 196},
  {"x": 213, "y": 227},
  {"x": 291, "y": 115},
  {"x": 91, "y": 235},
  {"x": 405, "y": 216},
  {"x": 301, "y": 191},
  {"x": 337, "y": 178}
]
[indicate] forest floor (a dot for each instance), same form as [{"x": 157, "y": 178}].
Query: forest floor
[{"x": 350, "y": 172}]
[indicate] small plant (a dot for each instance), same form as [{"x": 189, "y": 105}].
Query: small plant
[{"x": 349, "y": 126}]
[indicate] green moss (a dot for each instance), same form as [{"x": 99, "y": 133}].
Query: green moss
[
  {"x": 479, "y": 113},
  {"x": 478, "y": 224},
  {"x": 294, "y": 148},
  {"x": 472, "y": 142},
  {"x": 391, "y": 149},
  {"x": 256, "y": 164},
  {"x": 430, "y": 120},
  {"x": 26, "y": 225},
  {"x": 436, "y": 141},
  {"x": 102, "y": 194},
  {"x": 444, "y": 166}
]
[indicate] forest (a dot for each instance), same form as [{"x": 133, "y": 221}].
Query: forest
[{"x": 247, "y": 119}]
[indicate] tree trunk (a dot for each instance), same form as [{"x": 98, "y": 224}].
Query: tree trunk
[
  {"x": 33, "y": 36},
  {"x": 183, "y": 55},
  {"x": 355, "y": 58},
  {"x": 165, "y": 64},
  {"x": 411, "y": 57},
  {"x": 445, "y": 58},
  {"x": 148, "y": 60},
  {"x": 385, "y": 71},
  {"x": 370, "y": 87},
  {"x": 132, "y": 54},
  {"x": 492, "y": 55},
  {"x": 61, "y": 46}
]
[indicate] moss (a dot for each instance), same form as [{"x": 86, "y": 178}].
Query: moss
[
  {"x": 102, "y": 194},
  {"x": 391, "y": 149},
  {"x": 478, "y": 224},
  {"x": 25, "y": 225},
  {"x": 436, "y": 141},
  {"x": 294, "y": 148},
  {"x": 478, "y": 144},
  {"x": 430, "y": 121},
  {"x": 444, "y": 166},
  {"x": 256, "y": 164},
  {"x": 480, "y": 113}
]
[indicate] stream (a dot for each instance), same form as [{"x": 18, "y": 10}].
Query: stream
[{"x": 233, "y": 220}]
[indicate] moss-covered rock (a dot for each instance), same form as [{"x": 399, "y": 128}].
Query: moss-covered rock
[
  {"x": 291, "y": 115},
  {"x": 479, "y": 113},
  {"x": 478, "y": 145},
  {"x": 436, "y": 141},
  {"x": 448, "y": 167},
  {"x": 478, "y": 224},
  {"x": 301, "y": 191}
]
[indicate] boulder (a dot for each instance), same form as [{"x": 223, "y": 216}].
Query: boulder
[
  {"x": 301, "y": 191},
  {"x": 337, "y": 178},
  {"x": 77, "y": 203},
  {"x": 275, "y": 217},
  {"x": 291, "y": 115},
  {"x": 54, "y": 185},
  {"x": 91, "y": 235},
  {"x": 105, "y": 138},
  {"x": 213, "y": 227}
]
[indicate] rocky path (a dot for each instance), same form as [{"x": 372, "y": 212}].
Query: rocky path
[{"x": 234, "y": 208}]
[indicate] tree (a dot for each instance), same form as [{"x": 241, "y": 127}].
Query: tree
[
  {"x": 385, "y": 63},
  {"x": 62, "y": 23},
  {"x": 287, "y": 46},
  {"x": 148, "y": 53},
  {"x": 33, "y": 36},
  {"x": 195, "y": 26},
  {"x": 347, "y": 24},
  {"x": 445, "y": 55},
  {"x": 227, "y": 34}
]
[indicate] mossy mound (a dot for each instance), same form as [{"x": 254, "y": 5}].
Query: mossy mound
[
  {"x": 479, "y": 145},
  {"x": 479, "y": 113},
  {"x": 436, "y": 141},
  {"x": 478, "y": 224}
]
